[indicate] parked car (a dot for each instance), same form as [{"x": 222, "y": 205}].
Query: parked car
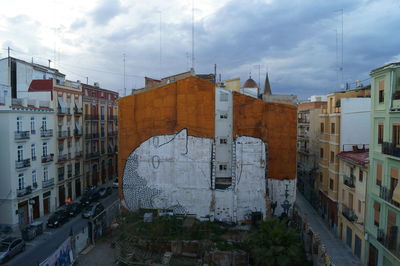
[
  {"x": 115, "y": 183},
  {"x": 85, "y": 200},
  {"x": 109, "y": 191},
  {"x": 89, "y": 197},
  {"x": 58, "y": 218},
  {"x": 74, "y": 209},
  {"x": 92, "y": 210},
  {"x": 9, "y": 247},
  {"x": 102, "y": 192}
]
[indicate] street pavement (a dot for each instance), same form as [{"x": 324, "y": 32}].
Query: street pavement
[
  {"x": 44, "y": 245},
  {"x": 339, "y": 253}
]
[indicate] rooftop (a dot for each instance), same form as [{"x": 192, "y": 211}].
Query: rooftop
[{"x": 358, "y": 156}]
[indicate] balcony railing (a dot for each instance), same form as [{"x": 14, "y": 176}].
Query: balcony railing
[
  {"x": 24, "y": 191},
  {"x": 95, "y": 135},
  {"x": 390, "y": 149},
  {"x": 61, "y": 177},
  {"x": 101, "y": 117},
  {"x": 62, "y": 158},
  {"x": 349, "y": 213},
  {"x": 48, "y": 183},
  {"x": 62, "y": 134},
  {"x": 46, "y": 133},
  {"x": 389, "y": 240},
  {"x": 64, "y": 111},
  {"x": 22, "y": 163},
  {"x": 77, "y": 133},
  {"x": 21, "y": 135},
  {"x": 78, "y": 154},
  {"x": 349, "y": 181},
  {"x": 385, "y": 194},
  {"x": 112, "y": 117},
  {"x": 92, "y": 155},
  {"x": 91, "y": 117},
  {"x": 77, "y": 110},
  {"x": 111, "y": 149},
  {"x": 47, "y": 158},
  {"x": 112, "y": 133}
]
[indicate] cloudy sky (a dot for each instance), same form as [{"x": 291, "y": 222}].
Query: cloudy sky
[{"x": 297, "y": 42}]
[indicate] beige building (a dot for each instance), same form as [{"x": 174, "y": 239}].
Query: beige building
[
  {"x": 352, "y": 186},
  {"x": 308, "y": 134},
  {"x": 330, "y": 146}
]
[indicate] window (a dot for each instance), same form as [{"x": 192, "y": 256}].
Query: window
[
  {"x": 223, "y": 97},
  {"x": 332, "y": 157},
  {"x": 332, "y": 128},
  {"x": 21, "y": 182},
  {"x": 20, "y": 153},
  {"x": 45, "y": 174},
  {"x": 44, "y": 123},
  {"x": 379, "y": 174},
  {"x": 351, "y": 171},
  {"x": 44, "y": 149},
  {"x": 331, "y": 184},
  {"x": 396, "y": 135},
  {"x": 223, "y": 116},
  {"x": 222, "y": 141},
  {"x": 322, "y": 127},
  {"x": 33, "y": 131},
  {"x": 69, "y": 170},
  {"x": 380, "y": 132},
  {"x": 60, "y": 171},
  {"x": 77, "y": 168},
  {"x": 19, "y": 124},
  {"x": 393, "y": 181},
  {"x": 360, "y": 175},
  {"x": 222, "y": 167},
  {"x": 377, "y": 210},
  {"x": 381, "y": 96},
  {"x": 321, "y": 177},
  {"x": 33, "y": 152},
  {"x": 34, "y": 181},
  {"x": 321, "y": 153}
]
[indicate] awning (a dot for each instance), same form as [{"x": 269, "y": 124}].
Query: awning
[
  {"x": 60, "y": 102},
  {"x": 396, "y": 193}
]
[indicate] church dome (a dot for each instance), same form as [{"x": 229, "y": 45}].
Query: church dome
[{"x": 250, "y": 83}]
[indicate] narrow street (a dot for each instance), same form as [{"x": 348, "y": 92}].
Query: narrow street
[
  {"x": 44, "y": 245},
  {"x": 339, "y": 253}
]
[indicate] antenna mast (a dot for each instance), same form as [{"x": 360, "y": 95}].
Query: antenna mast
[
  {"x": 193, "y": 34},
  {"x": 341, "y": 68},
  {"x": 160, "y": 47},
  {"x": 124, "y": 74}
]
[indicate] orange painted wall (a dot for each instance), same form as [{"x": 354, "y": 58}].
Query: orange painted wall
[
  {"x": 275, "y": 124},
  {"x": 190, "y": 103},
  {"x": 187, "y": 103}
]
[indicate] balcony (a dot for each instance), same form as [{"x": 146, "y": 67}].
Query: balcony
[
  {"x": 389, "y": 240},
  {"x": 62, "y": 134},
  {"x": 19, "y": 164},
  {"x": 77, "y": 133},
  {"x": 77, "y": 110},
  {"x": 60, "y": 177},
  {"x": 112, "y": 133},
  {"x": 62, "y": 158},
  {"x": 111, "y": 150},
  {"x": 47, "y": 158},
  {"x": 101, "y": 117},
  {"x": 48, "y": 183},
  {"x": 92, "y": 155},
  {"x": 95, "y": 135},
  {"x": 349, "y": 181},
  {"x": 386, "y": 195},
  {"x": 24, "y": 191},
  {"x": 46, "y": 133},
  {"x": 389, "y": 148},
  {"x": 21, "y": 135},
  {"x": 349, "y": 213},
  {"x": 78, "y": 154},
  {"x": 63, "y": 111},
  {"x": 91, "y": 117}
]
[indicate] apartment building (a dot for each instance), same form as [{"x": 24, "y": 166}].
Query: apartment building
[
  {"x": 27, "y": 189},
  {"x": 331, "y": 144},
  {"x": 308, "y": 135},
  {"x": 383, "y": 189},
  {"x": 100, "y": 129},
  {"x": 353, "y": 169}
]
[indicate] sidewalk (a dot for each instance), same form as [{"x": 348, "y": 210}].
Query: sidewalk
[
  {"x": 339, "y": 253},
  {"x": 100, "y": 254}
]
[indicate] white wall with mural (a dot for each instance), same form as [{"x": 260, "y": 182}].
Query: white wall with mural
[{"x": 174, "y": 172}]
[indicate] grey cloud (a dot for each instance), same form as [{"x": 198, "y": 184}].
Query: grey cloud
[
  {"x": 106, "y": 11},
  {"x": 77, "y": 24}
]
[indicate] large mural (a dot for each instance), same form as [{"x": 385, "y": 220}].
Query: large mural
[{"x": 173, "y": 172}]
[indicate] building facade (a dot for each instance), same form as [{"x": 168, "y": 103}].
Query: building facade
[
  {"x": 353, "y": 169},
  {"x": 190, "y": 139},
  {"x": 330, "y": 146},
  {"x": 100, "y": 129},
  {"x": 308, "y": 147},
  {"x": 383, "y": 190}
]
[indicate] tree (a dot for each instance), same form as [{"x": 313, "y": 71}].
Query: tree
[{"x": 275, "y": 243}]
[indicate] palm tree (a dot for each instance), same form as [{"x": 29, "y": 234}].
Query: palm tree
[{"x": 276, "y": 244}]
